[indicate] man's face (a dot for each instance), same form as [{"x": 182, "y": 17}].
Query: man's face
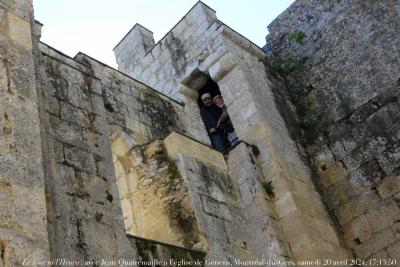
[
  {"x": 219, "y": 101},
  {"x": 207, "y": 101}
]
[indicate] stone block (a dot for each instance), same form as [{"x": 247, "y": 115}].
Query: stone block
[
  {"x": 389, "y": 186},
  {"x": 30, "y": 209},
  {"x": 105, "y": 169},
  {"x": 379, "y": 241},
  {"x": 291, "y": 202},
  {"x": 52, "y": 105},
  {"x": 98, "y": 105},
  {"x": 357, "y": 231},
  {"x": 222, "y": 67},
  {"x": 102, "y": 246},
  {"x": 21, "y": 125},
  {"x": 215, "y": 208},
  {"x": 357, "y": 206},
  {"x": 303, "y": 226},
  {"x": 24, "y": 248},
  {"x": 121, "y": 143},
  {"x": 308, "y": 247},
  {"x": 19, "y": 30},
  {"x": 29, "y": 171},
  {"x": 75, "y": 115},
  {"x": 384, "y": 216},
  {"x": 80, "y": 159},
  {"x": 330, "y": 172},
  {"x": 95, "y": 186},
  {"x": 100, "y": 124},
  {"x": 339, "y": 193},
  {"x": 65, "y": 131},
  {"x": 282, "y": 185},
  {"x": 22, "y": 81},
  {"x": 96, "y": 143},
  {"x": 176, "y": 143}
]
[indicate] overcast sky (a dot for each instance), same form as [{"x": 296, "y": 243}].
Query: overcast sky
[{"x": 94, "y": 27}]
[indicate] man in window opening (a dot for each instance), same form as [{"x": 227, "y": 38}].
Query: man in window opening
[
  {"x": 224, "y": 122},
  {"x": 210, "y": 115}
]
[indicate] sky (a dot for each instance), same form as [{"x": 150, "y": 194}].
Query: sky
[{"x": 95, "y": 27}]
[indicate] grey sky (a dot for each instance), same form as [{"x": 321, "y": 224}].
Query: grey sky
[{"x": 96, "y": 26}]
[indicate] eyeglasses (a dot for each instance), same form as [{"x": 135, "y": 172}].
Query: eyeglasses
[{"x": 207, "y": 98}]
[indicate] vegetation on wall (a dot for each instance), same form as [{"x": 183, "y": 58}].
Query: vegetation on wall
[
  {"x": 344, "y": 100},
  {"x": 297, "y": 37},
  {"x": 268, "y": 188},
  {"x": 288, "y": 65},
  {"x": 310, "y": 122}
]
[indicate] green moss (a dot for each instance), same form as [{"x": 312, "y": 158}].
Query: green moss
[
  {"x": 314, "y": 125},
  {"x": 268, "y": 188},
  {"x": 178, "y": 254},
  {"x": 297, "y": 37},
  {"x": 344, "y": 99},
  {"x": 288, "y": 65},
  {"x": 173, "y": 172}
]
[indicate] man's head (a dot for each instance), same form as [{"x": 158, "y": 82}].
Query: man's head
[
  {"x": 206, "y": 98},
  {"x": 218, "y": 101}
]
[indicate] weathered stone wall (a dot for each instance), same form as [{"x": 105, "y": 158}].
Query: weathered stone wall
[
  {"x": 173, "y": 59},
  {"x": 179, "y": 49},
  {"x": 23, "y": 234},
  {"x": 267, "y": 238},
  {"x": 81, "y": 191},
  {"x": 347, "y": 108},
  {"x": 86, "y": 107},
  {"x": 154, "y": 197},
  {"x": 248, "y": 92},
  {"x": 134, "y": 107},
  {"x": 232, "y": 211},
  {"x": 134, "y": 46},
  {"x": 215, "y": 51}
]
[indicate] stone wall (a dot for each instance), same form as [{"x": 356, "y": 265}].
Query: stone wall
[
  {"x": 87, "y": 134},
  {"x": 135, "y": 107},
  {"x": 179, "y": 48},
  {"x": 346, "y": 99},
  {"x": 81, "y": 191},
  {"x": 155, "y": 200},
  {"x": 173, "y": 59},
  {"x": 225, "y": 200},
  {"x": 23, "y": 234},
  {"x": 200, "y": 47},
  {"x": 87, "y": 106}
]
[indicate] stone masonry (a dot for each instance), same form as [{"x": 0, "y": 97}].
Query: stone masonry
[
  {"x": 106, "y": 167},
  {"x": 23, "y": 234},
  {"x": 345, "y": 101}
]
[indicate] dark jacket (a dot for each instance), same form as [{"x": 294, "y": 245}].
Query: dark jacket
[{"x": 210, "y": 116}]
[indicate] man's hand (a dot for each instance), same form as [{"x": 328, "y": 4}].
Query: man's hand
[{"x": 213, "y": 130}]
